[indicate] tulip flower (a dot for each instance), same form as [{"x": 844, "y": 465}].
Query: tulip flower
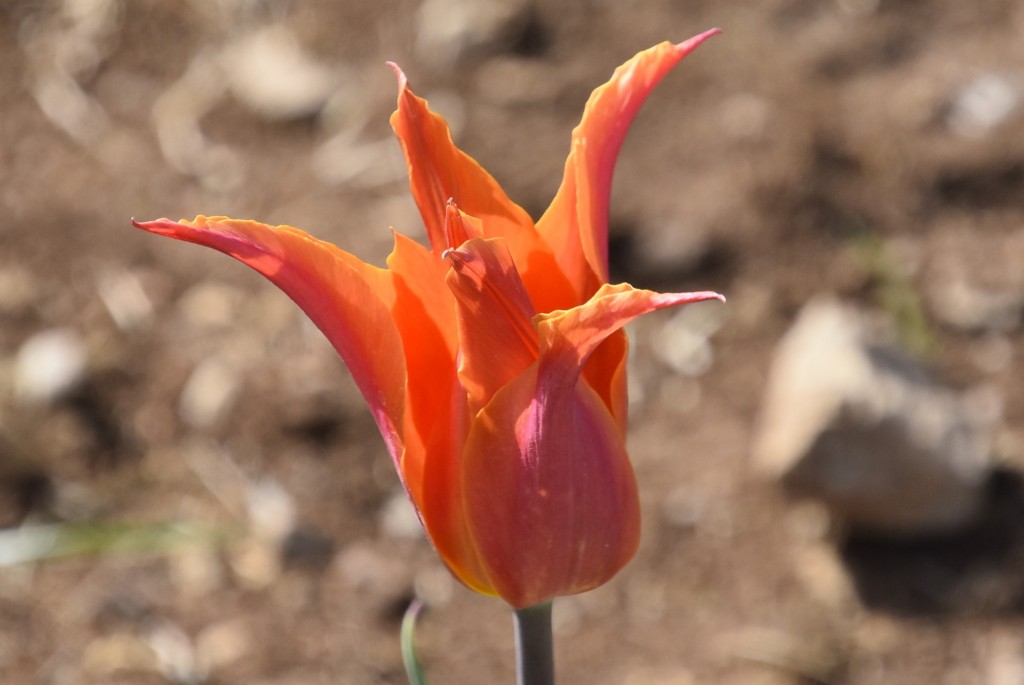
[{"x": 494, "y": 360}]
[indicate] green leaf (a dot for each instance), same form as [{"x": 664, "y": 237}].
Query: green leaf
[{"x": 413, "y": 667}]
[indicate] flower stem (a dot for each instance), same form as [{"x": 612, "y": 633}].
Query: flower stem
[{"x": 535, "y": 656}]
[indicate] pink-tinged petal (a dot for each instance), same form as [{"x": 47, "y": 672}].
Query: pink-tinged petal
[
  {"x": 568, "y": 338},
  {"x": 576, "y": 223},
  {"x": 440, "y": 172},
  {"x": 550, "y": 493},
  {"x": 494, "y": 318},
  {"x": 347, "y": 299},
  {"x": 590, "y": 336}
]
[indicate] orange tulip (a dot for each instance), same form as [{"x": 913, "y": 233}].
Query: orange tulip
[{"x": 494, "y": 362}]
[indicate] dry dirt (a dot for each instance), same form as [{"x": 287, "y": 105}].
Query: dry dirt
[{"x": 872, "y": 149}]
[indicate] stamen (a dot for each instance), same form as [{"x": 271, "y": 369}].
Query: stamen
[{"x": 456, "y": 232}]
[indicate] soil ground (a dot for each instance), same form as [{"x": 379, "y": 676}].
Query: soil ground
[{"x": 233, "y": 514}]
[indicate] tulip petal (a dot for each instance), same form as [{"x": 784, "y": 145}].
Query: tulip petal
[
  {"x": 550, "y": 494},
  {"x": 494, "y": 318},
  {"x": 591, "y": 335},
  {"x": 424, "y": 314},
  {"x": 605, "y": 372},
  {"x": 576, "y": 223},
  {"x": 347, "y": 299},
  {"x": 439, "y": 171},
  {"x": 568, "y": 338},
  {"x": 436, "y": 419}
]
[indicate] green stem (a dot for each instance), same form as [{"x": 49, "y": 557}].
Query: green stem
[{"x": 535, "y": 656}]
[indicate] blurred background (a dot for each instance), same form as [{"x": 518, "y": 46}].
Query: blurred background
[{"x": 192, "y": 491}]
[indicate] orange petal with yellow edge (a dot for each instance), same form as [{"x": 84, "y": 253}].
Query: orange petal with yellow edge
[
  {"x": 439, "y": 171},
  {"x": 576, "y": 223},
  {"x": 348, "y": 300}
]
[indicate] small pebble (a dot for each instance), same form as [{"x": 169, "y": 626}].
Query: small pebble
[
  {"x": 125, "y": 299},
  {"x": 256, "y": 563},
  {"x": 176, "y": 656},
  {"x": 983, "y": 104},
  {"x": 222, "y": 644},
  {"x": 211, "y": 305},
  {"x": 271, "y": 510},
  {"x": 196, "y": 573},
  {"x": 270, "y": 73},
  {"x": 208, "y": 393},
  {"x": 118, "y": 652},
  {"x": 683, "y": 507},
  {"x": 449, "y": 31},
  {"x": 1005, "y": 659},
  {"x": 965, "y": 306},
  {"x": 434, "y": 585},
  {"x": 18, "y": 289},
  {"x": 398, "y": 518},
  {"x": 48, "y": 365}
]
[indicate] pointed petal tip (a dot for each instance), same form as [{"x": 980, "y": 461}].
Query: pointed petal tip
[
  {"x": 399, "y": 74},
  {"x": 705, "y": 295},
  {"x": 676, "y": 299},
  {"x": 162, "y": 226},
  {"x": 691, "y": 44}
]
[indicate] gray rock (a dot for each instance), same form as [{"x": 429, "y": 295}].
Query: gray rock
[{"x": 852, "y": 422}]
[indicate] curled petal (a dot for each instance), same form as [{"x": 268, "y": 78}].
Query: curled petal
[
  {"x": 590, "y": 337},
  {"x": 494, "y": 318},
  {"x": 576, "y": 223},
  {"x": 348, "y": 300},
  {"x": 568, "y": 338}
]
